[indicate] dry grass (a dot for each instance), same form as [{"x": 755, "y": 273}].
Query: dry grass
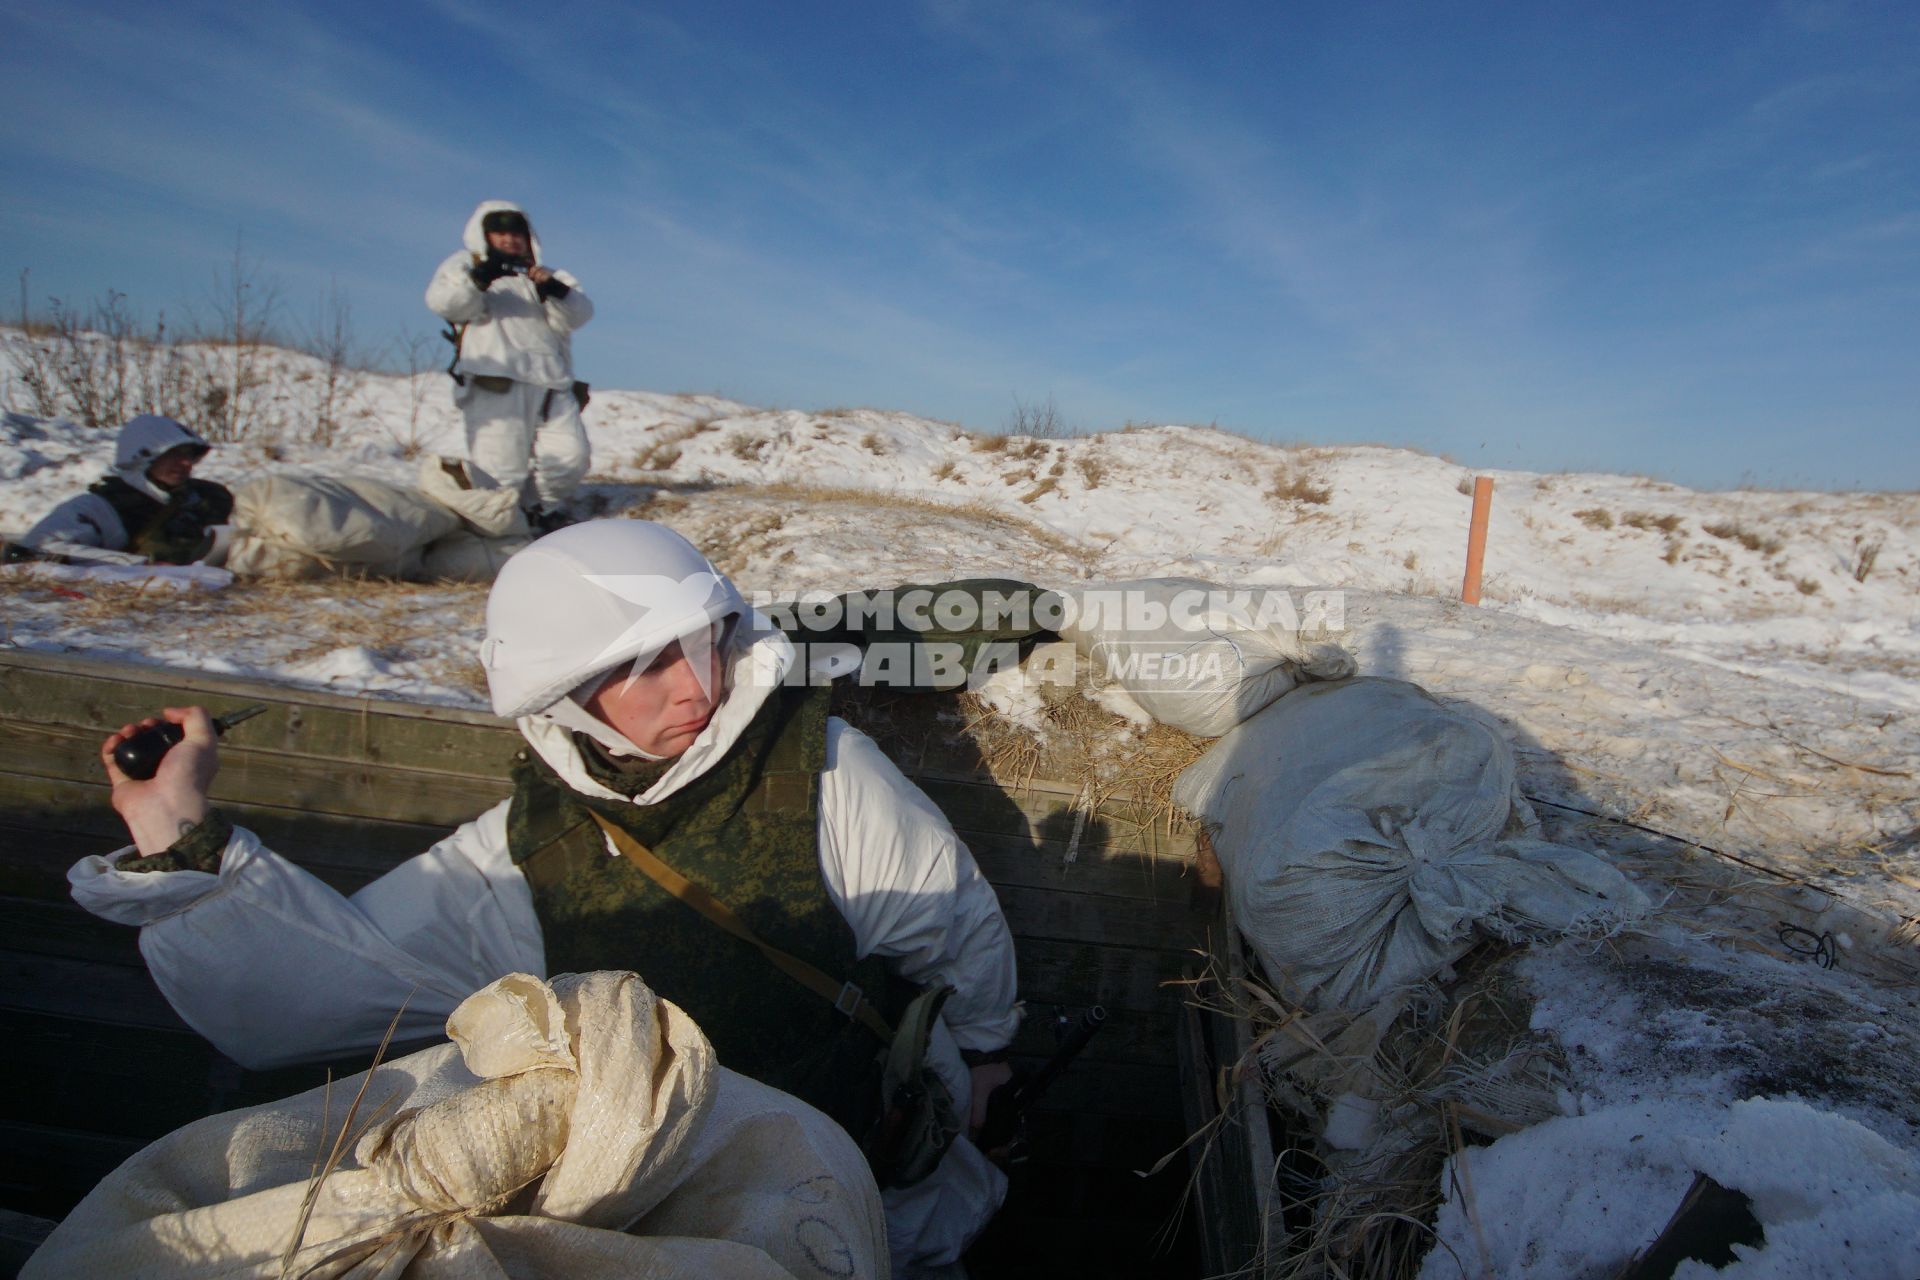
[
  {"x": 1474, "y": 1066},
  {"x": 1298, "y": 487},
  {"x": 1866, "y": 551},
  {"x": 748, "y": 447},
  {"x": 1042, "y": 536},
  {"x": 991, "y": 444},
  {"x": 1595, "y": 518},
  {"x": 946, "y": 470},
  {"x": 1046, "y": 486},
  {"x": 1734, "y": 531},
  {"x": 875, "y": 443},
  {"x": 1648, "y": 521},
  {"x": 1806, "y": 586},
  {"x": 1092, "y": 468},
  {"x": 283, "y": 623},
  {"x": 743, "y": 540}
]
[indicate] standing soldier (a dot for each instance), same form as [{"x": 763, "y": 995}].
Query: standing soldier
[{"x": 512, "y": 319}]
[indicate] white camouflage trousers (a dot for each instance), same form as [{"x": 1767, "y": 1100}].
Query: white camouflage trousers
[{"x": 526, "y": 438}]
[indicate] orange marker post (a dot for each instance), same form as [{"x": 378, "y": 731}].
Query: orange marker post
[{"x": 1477, "y": 538}]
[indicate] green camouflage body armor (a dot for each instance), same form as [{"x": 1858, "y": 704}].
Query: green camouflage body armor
[{"x": 747, "y": 831}]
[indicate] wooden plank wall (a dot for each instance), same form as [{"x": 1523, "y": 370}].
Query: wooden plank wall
[{"x": 1101, "y": 909}]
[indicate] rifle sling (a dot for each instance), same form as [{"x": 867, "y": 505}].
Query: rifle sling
[{"x": 844, "y": 996}]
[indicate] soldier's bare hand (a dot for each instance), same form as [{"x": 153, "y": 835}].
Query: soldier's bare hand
[
  {"x": 539, "y": 275},
  {"x": 166, "y": 806}
]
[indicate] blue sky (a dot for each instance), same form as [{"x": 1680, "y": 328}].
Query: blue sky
[{"x": 1673, "y": 238}]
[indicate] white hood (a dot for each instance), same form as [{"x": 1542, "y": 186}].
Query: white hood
[
  {"x": 142, "y": 442},
  {"x": 475, "y": 236}
]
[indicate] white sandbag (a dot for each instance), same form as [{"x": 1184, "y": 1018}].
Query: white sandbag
[
  {"x": 343, "y": 520},
  {"x": 251, "y": 557},
  {"x": 492, "y": 525},
  {"x": 465, "y": 556},
  {"x": 578, "y": 1129},
  {"x": 491, "y": 513},
  {"x": 1194, "y": 655},
  {"x": 1366, "y": 832}
]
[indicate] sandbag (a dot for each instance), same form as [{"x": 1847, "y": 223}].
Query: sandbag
[
  {"x": 344, "y": 520},
  {"x": 490, "y": 513},
  {"x": 465, "y": 556},
  {"x": 1194, "y": 655},
  {"x": 1366, "y": 833},
  {"x": 578, "y": 1129}
]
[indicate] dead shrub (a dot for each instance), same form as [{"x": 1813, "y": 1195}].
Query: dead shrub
[
  {"x": 1038, "y": 421},
  {"x": 1806, "y": 586},
  {"x": 1298, "y": 487},
  {"x": 748, "y": 447},
  {"x": 875, "y": 443}
]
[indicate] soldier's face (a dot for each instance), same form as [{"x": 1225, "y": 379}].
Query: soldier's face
[
  {"x": 171, "y": 470},
  {"x": 517, "y": 243},
  {"x": 663, "y": 708}
]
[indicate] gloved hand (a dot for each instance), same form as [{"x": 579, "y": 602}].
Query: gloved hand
[
  {"x": 551, "y": 286},
  {"x": 497, "y": 263}
]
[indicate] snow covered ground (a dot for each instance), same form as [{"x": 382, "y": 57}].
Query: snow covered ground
[{"x": 1735, "y": 669}]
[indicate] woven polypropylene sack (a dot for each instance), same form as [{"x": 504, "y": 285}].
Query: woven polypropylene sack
[
  {"x": 349, "y": 520},
  {"x": 1367, "y": 833},
  {"x": 578, "y": 1129},
  {"x": 1188, "y": 657}
]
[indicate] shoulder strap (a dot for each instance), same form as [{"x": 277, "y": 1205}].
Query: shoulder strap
[
  {"x": 456, "y": 334},
  {"x": 844, "y": 996}
]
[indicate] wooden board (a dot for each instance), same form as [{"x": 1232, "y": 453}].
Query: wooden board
[{"x": 1101, "y": 905}]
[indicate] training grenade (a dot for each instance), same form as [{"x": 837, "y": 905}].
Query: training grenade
[{"x": 139, "y": 755}]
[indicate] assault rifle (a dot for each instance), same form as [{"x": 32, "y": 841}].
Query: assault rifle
[{"x": 1008, "y": 1105}]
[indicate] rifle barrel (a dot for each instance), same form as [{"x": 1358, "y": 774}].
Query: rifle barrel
[{"x": 1084, "y": 1027}]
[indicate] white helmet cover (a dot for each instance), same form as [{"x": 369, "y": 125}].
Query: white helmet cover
[{"x": 589, "y": 598}]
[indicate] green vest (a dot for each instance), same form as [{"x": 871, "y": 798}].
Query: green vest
[{"x": 747, "y": 831}]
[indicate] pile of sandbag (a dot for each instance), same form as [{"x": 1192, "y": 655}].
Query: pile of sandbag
[
  {"x": 310, "y": 526},
  {"x": 573, "y": 1130},
  {"x": 1367, "y": 834}
]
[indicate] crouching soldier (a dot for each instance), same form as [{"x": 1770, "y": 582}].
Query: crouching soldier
[
  {"x": 685, "y": 808},
  {"x": 149, "y": 508},
  {"x": 512, "y": 319}
]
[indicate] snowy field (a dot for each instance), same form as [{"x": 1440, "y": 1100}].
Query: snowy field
[{"x": 1735, "y": 670}]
